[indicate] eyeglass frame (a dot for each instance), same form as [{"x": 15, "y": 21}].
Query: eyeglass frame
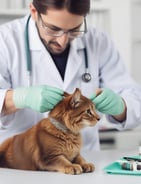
[{"x": 61, "y": 32}]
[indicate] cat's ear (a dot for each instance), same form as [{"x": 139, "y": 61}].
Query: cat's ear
[{"x": 75, "y": 100}]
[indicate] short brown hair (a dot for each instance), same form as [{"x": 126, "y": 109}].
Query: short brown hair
[{"x": 78, "y": 7}]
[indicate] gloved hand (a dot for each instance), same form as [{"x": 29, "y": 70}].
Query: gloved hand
[
  {"x": 39, "y": 98},
  {"x": 108, "y": 102}
]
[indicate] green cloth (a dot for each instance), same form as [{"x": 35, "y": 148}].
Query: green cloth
[{"x": 116, "y": 168}]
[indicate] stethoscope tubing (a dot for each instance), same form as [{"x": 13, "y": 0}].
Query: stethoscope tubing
[{"x": 27, "y": 50}]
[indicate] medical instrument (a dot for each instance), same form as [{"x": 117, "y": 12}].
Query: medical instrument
[
  {"x": 27, "y": 50},
  {"x": 86, "y": 77},
  {"x": 132, "y": 159},
  {"x": 129, "y": 165},
  {"x": 132, "y": 166}
]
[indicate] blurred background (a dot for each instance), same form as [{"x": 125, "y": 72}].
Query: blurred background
[{"x": 121, "y": 20}]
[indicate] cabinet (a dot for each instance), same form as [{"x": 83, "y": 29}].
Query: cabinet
[
  {"x": 11, "y": 9},
  {"x": 112, "y": 139},
  {"x": 136, "y": 40},
  {"x": 8, "y": 15},
  {"x": 15, "y": 4},
  {"x": 121, "y": 19}
]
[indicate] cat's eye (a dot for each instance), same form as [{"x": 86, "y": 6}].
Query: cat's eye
[{"x": 89, "y": 112}]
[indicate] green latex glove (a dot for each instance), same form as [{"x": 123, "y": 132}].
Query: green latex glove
[
  {"x": 39, "y": 98},
  {"x": 108, "y": 102}
]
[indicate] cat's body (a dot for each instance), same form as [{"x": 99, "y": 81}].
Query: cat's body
[{"x": 54, "y": 143}]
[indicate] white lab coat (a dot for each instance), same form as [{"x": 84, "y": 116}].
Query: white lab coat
[{"x": 105, "y": 66}]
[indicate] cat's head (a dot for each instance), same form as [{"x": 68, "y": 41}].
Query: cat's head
[{"x": 75, "y": 111}]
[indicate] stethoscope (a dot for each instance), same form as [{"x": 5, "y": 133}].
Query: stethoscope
[{"x": 86, "y": 76}]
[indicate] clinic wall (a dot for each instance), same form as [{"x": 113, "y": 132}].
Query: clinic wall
[
  {"x": 14, "y": 4},
  {"x": 121, "y": 19}
]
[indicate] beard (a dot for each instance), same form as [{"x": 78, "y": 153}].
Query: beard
[{"x": 53, "y": 47}]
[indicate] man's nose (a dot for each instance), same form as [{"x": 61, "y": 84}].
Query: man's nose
[{"x": 64, "y": 39}]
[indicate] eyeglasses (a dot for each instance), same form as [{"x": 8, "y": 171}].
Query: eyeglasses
[{"x": 57, "y": 32}]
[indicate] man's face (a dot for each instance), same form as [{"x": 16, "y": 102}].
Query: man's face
[{"x": 54, "y": 22}]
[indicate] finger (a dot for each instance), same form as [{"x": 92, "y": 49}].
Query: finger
[
  {"x": 98, "y": 99},
  {"x": 93, "y": 96},
  {"x": 52, "y": 98},
  {"x": 98, "y": 91},
  {"x": 54, "y": 90},
  {"x": 46, "y": 106},
  {"x": 104, "y": 106},
  {"x": 102, "y": 96}
]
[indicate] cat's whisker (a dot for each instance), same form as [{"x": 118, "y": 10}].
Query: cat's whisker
[{"x": 85, "y": 123}]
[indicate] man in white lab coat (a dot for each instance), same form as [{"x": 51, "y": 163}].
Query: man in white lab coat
[{"x": 45, "y": 54}]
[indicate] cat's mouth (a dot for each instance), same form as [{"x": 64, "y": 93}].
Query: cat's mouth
[
  {"x": 82, "y": 124},
  {"x": 87, "y": 123}
]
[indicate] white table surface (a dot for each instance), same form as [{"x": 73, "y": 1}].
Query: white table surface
[{"x": 99, "y": 158}]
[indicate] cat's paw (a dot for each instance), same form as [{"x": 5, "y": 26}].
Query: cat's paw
[
  {"x": 88, "y": 167},
  {"x": 73, "y": 169}
]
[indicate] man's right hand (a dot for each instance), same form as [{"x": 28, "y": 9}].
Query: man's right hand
[{"x": 39, "y": 98}]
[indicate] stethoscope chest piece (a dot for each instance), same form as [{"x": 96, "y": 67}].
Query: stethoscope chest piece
[{"x": 86, "y": 77}]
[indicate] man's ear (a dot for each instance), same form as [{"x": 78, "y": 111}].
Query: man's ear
[{"x": 33, "y": 12}]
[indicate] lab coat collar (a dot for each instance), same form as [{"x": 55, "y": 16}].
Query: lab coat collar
[
  {"x": 34, "y": 39},
  {"x": 78, "y": 44}
]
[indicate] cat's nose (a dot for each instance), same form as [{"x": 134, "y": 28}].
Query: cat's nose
[{"x": 98, "y": 118}]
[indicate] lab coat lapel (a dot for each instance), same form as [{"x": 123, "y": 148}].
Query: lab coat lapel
[
  {"x": 54, "y": 77},
  {"x": 74, "y": 62},
  {"x": 36, "y": 46},
  {"x": 34, "y": 39}
]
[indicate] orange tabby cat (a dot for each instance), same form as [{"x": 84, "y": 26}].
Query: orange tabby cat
[{"x": 54, "y": 143}]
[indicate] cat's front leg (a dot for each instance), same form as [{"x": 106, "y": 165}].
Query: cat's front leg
[
  {"x": 60, "y": 164},
  {"x": 87, "y": 167},
  {"x": 63, "y": 165}
]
